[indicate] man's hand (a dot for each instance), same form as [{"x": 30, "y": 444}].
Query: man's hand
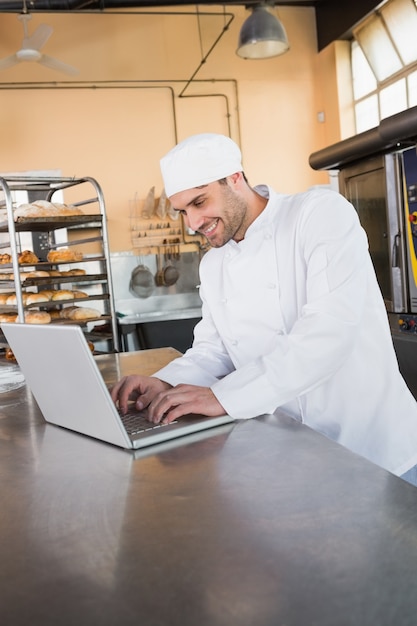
[
  {"x": 139, "y": 389},
  {"x": 171, "y": 404}
]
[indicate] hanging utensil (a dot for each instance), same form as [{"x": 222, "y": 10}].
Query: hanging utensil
[
  {"x": 161, "y": 207},
  {"x": 171, "y": 274},
  {"x": 159, "y": 276},
  {"x": 141, "y": 281},
  {"x": 149, "y": 205}
]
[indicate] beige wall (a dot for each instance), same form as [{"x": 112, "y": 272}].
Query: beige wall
[{"x": 127, "y": 106}]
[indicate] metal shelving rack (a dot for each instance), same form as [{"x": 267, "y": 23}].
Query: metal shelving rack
[{"x": 92, "y": 219}]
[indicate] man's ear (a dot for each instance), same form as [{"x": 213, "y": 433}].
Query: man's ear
[{"x": 236, "y": 179}]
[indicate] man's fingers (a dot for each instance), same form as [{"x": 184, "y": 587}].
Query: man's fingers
[{"x": 182, "y": 400}]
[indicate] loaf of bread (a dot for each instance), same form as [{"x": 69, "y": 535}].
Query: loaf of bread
[
  {"x": 66, "y": 311},
  {"x": 79, "y": 313},
  {"x": 63, "y": 294},
  {"x": 5, "y": 258},
  {"x": 48, "y": 293},
  {"x": 27, "y": 257},
  {"x": 79, "y": 294},
  {"x": 55, "y": 313},
  {"x": 9, "y": 354},
  {"x": 74, "y": 272},
  {"x": 43, "y": 208},
  {"x": 8, "y": 317},
  {"x": 12, "y": 299},
  {"x": 84, "y": 313},
  {"x": 37, "y": 317},
  {"x": 64, "y": 255},
  {"x": 36, "y": 298},
  {"x": 36, "y": 274},
  {"x": 3, "y": 297}
]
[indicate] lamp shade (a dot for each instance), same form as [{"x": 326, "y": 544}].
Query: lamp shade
[{"x": 262, "y": 35}]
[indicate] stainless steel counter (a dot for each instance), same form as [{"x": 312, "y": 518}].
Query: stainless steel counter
[{"x": 263, "y": 523}]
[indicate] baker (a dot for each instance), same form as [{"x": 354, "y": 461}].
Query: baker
[{"x": 292, "y": 314}]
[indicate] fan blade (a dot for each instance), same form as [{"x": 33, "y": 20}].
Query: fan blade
[
  {"x": 54, "y": 64},
  {"x": 8, "y": 62},
  {"x": 38, "y": 38}
]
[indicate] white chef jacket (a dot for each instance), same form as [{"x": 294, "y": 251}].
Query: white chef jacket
[{"x": 293, "y": 318}]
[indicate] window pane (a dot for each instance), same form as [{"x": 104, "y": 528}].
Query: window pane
[
  {"x": 367, "y": 114},
  {"x": 363, "y": 78},
  {"x": 412, "y": 89},
  {"x": 393, "y": 99},
  {"x": 378, "y": 48},
  {"x": 401, "y": 20}
]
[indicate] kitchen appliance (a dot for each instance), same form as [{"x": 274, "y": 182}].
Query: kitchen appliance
[
  {"x": 377, "y": 172},
  {"x": 383, "y": 189}
]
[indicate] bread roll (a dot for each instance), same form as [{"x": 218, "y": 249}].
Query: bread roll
[
  {"x": 79, "y": 294},
  {"x": 6, "y": 276},
  {"x": 55, "y": 273},
  {"x": 5, "y": 258},
  {"x": 63, "y": 294},
  {"x": 64, "y": 255},
  {"x": 37, "y": 317}
]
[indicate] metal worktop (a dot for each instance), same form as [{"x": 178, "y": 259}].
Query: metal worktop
[{"x": 262, "y": 523}]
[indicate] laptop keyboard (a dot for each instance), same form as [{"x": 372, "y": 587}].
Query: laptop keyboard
[{"x": 136, "y": 423}]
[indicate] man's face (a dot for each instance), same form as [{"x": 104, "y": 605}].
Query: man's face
[{"x": 215, "y": 210}]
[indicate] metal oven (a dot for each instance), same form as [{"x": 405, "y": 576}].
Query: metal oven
[{"x": 383, "y": 189}]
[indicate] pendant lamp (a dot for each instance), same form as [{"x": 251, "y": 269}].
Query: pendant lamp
[{"x": 262, "y": 35}]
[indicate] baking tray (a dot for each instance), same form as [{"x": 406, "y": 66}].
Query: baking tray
[
  {"x": 40, "y": 281},
  {"x": 44, "y": 224}
]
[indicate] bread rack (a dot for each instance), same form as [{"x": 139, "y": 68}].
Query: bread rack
[{"x": 87, "y": 231}]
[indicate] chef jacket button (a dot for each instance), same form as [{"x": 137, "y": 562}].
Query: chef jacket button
[
  {"x": 234, "y": 342},
  {"x": 268, "y": 235},
  {"x": 271, "y": 286},
  {"x": 280, "y": 332},
  {"x": 224, "y": 301}
]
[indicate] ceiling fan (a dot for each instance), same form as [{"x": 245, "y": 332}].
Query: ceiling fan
[{"x": 32, "y": 46}]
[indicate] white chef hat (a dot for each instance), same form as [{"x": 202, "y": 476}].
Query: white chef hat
[{"x": 199, "y": 160}]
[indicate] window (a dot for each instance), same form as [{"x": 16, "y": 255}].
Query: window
[{"x": 384, "y": 63}]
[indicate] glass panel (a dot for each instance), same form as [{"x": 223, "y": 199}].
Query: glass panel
[
  {"x": 412, "y": 89},
  {"x": 393, "y": 99},
  {"x": 363, "y": 78},
  {"x": 400, "y": 18},
  {"x": 367, "y": 193},
  {"x": 367, "y": 114},
  {"x": 378, "y": 48}
]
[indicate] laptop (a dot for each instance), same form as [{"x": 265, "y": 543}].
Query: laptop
[{"x": 65, "y": 380}]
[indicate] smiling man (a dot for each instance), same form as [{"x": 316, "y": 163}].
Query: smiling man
[{"x": 292, "y": 314}]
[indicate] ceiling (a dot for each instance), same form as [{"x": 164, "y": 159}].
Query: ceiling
[{"x": 334, "y": 18}]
